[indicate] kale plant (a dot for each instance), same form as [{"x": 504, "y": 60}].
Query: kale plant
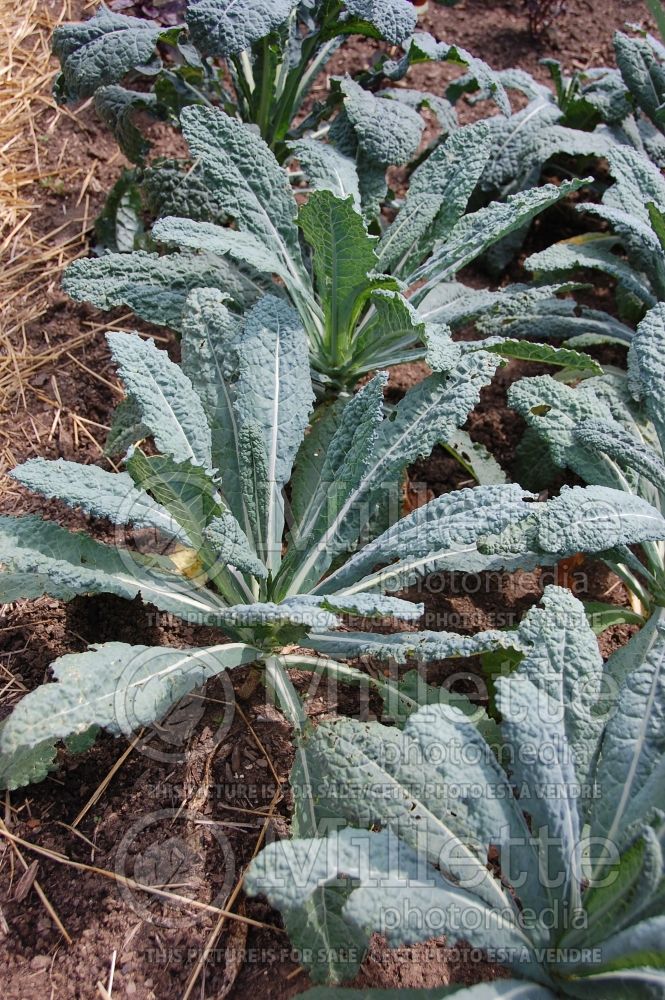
[
  {"x": 630, "y": 249},
  {"x": 564, "y": 130},
  {"x": 257, "y": 60},
  {"x": 567, "y": 792},
  {"x": 577, "y": 120},
  {"x": 610, "y": 431},
  {"x": 213, "y": 542},
  {"x": 630, "y": 252},
  {"x": 358, "y": 296},
  {"x": 641, "y": 62},
  {"x": 207, "y": 513},
  {"x": 210, "y": 521},
  {"x": 583, "y": 115}
]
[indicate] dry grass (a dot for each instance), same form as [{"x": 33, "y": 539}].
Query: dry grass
[
  {"x": 34, "y": 163},
  {"x": 25, "y": 79},
  {"x": 32, "y": 260}
]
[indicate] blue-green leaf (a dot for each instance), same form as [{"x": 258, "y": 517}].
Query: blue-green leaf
[
  {"x": 228, "y": 27},
  {"x": 165, "y": 397},
  {"x": 155, "y": 287},
  {"x": 428, "y": 414},
  {"x": 104, "y": 494},
  {"x": 116, "y": 107},
  {"x": 646, "y": 366},
  {"x": 438, "y": 194},
  {"x": 40, "y": 557},
  {"x": 393, "y": 19},
  {"x": 249, "y": 182},
  {"x": 476, "y": 232},
  {"x": 442, "y": 534},
  {"x": 115, "y": 686},
  {"x": 102, "y": 50},
  {"x": 327, "y": 169},
  {"x": 388, "y": 132},
  {"x": 273, "y": 394}
]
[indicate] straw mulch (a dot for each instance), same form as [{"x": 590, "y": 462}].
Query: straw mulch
[{"x": 34, "y": 163}]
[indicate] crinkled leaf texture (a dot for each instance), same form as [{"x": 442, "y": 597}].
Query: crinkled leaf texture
[
  {"x": 184, "y": 489},
  {"x": 594, "y": 251},
  {"x": 428, "y": 414},
  {"x": 580, "y": 519},
  {"x": 120, "y": 687},
  {"x": 554, "y": 411},
  {"x": 562, "y": 659},
  {"x": 228, "y": 27},
  {"x": 544, "y": 353},
  {"x": 443, "y": 534},
  {"x": 387, "y": 131},
  {"x": 254, "y": 190},
  {"x": 359, "y": 761},
  {"x": 154, "y": 287},
  {"x": 387, "y": 871},
  {"x": 646, "y": 366},
  {"x": 515, "y": 157},
  {"x": 438, "y": 194},
  {"x": 327, "y": 169},
  {"x": 105, "y": 494},
  {"x": 476, "y": 232},
  {"x": 176, "y": 493},
  {"x": 440, "y": 107},
  {"x": 102, "y": 50},
  {"x": 454, "y": 303},
  {"x": 393, "y": 19},
  {"x": 423, "y": 47},
  {"x": 116, "y": 107},
  {"x": 329, "y": 467},
  {"x": 622, "y": 446},
  {"x": 232, "y": 546},
  {"x": 272, "y": 401},
  {"x": 252, "y": 376},
  {"x": 246, "y": 249},
  {"x": 641, "y": 242},
  {"x": 404, "y": 647},
  {"x": 126, "y": 428},
  {"x": 40, "y": 557},
  {"x": 273, "y": 386},
  {"x": 557, "y": 712},
  {"x": 636, "y": 182},
  {"x": 631, "y": 753},
  {"x": 168, "y": 404},
  {"x": 643, "y": 74},
  {"x": 249, "y": 182},
  {"x": 114, "y": 686},
  {"x": 176, "y": 187},
  {"x": 210, "y": 339}
]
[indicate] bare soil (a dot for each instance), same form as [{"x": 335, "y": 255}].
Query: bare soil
[{"x": 190, "y": 802}]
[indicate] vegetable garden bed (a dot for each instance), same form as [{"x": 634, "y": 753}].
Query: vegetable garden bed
[{"x": 309, "y": 653}]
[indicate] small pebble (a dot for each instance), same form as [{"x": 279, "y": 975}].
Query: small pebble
[{"x": 40, "y": 963}]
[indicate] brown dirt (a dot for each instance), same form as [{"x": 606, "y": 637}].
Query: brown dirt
[
  {"x": 497, "y": 31},
  {"x": 221, "y": 770}
]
